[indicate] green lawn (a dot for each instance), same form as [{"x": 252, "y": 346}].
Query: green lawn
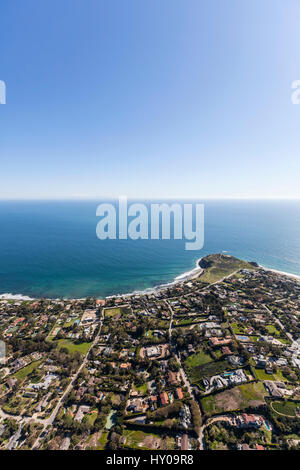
[
  {"x": 206, "y": 369},
  {"x": 186, "y": 321},
  {"x": 136, "y": 439},
  {"x": 163, "y": 324},
  {"x": 198, "y": 359},
  {"x": 272, "y": 330},
  {"x": 279, "y": 376},
  {"x": 253, "y": 391},
  {"x": 112, "y": 312},
  {"x": 209, "y": 405},
  {"x": 91, "y": 417},
  {"x": 22, "y": 373},
  {"x": 262, "y": 375},
  {"x": 102, "y": 440},
  {"x": 238, "y": 330},
  {"x": 237, "y": 398},
  {"x": 72, "y": 347},
  {"x": 254, "y": 339},
  {"x": 287, "y": 408},
  {"x": 142, "y": 389},
  {"x": 284, "y": 340},
  {"x": 50, "y": 337},
  {"x": 149, "y": 334},
  {"x": 71, "y": 322},
  {"x": 221, "y": 266}
]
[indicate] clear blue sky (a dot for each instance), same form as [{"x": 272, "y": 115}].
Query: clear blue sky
[{"x": 149, "y": 98}]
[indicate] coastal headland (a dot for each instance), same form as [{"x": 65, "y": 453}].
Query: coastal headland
[
  {"x": 210, "y": 268},
  {"x": 211, "y": 361}
]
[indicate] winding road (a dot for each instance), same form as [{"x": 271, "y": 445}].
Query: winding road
[
  {"x": 181, "y": 370},
  {"x": 50, "y": 420}
]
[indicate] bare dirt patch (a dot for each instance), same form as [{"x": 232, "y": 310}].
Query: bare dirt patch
[
  {"x": 229, "y": 400},
  {"x": 151, "y": 442},
  {"x": 93, "y": 442},
  {"x": 239, "y": 398}
]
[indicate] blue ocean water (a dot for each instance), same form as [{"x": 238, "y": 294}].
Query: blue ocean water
[{"x": 50, "y": 249}]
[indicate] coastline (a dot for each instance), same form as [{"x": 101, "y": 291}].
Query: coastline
[
  {"x": 282, "y": 273},
  {"x": 186, "y": 276},
  {"x": 15, "y": 297}
]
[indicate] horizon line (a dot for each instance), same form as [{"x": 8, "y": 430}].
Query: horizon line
[{"x": 112, "y": 198}]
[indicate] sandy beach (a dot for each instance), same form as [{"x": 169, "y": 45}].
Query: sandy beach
[
  {"x": 283, "y": 273},
  {"x": 186, "y": 276}
]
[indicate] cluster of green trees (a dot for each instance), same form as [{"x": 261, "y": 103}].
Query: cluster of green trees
[
  {"x": 218, "y": 434},
  {"x": 196, "y": 416},
  {"x": 169, "y": 411},
  {"x": 11, "y": 426}
]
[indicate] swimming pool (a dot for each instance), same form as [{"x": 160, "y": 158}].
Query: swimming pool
[
  {"x": 243, "y": 338},
  {"x": 267, "y": 426}
]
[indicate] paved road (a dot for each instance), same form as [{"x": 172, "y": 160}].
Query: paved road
[
  {"x": 14, "y": 439},
  {"x": 208, "y": 423},
  {"x": 186, "y": 382},
  {"x": 211, "y": 284},
  {"x": 50, "y": 420},
  {"x": 279, "y": 323},
  {"x": 181, "y": 370},
  {"x": 19, "y": 418}
]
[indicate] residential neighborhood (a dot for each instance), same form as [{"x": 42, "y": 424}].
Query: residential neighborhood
[{"x": 209, "y": 363}]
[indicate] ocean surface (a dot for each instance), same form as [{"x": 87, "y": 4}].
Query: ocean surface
[{"x": 50, "y": 249}]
